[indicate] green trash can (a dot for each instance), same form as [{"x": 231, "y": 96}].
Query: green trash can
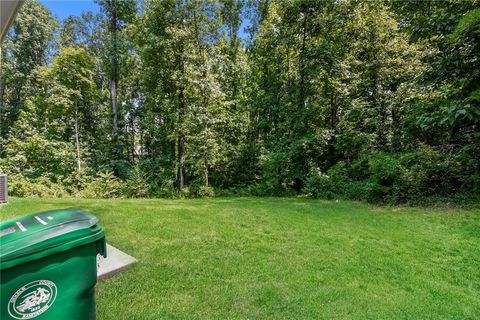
[{"x": 48, "y": 265}]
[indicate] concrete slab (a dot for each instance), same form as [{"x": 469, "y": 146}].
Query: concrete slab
[{"x": 115, "y": 262}]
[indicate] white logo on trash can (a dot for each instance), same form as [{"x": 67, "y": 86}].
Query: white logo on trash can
[{"x": 32, "y": 299}]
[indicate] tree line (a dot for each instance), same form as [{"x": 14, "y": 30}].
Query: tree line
[{"x": 367, "y": 100}]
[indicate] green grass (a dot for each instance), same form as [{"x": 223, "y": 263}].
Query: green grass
[{"x": 248, "y": 258}]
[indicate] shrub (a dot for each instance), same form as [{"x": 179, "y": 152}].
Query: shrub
[
  {"x": 205, "y": 192},
  {"x": 318, "y": 185},
  {"x": 199, "y": 190},
  {"x": 384, "y": 168},
  {"x": 358, "y": 190},
  {"x": 105, "y": 185},
  {"x": 136, "y": 185},
  {"x": 20, "y": 186},
  {"x": 339, "y": 177},
  {"x": 168, "y": 190}
]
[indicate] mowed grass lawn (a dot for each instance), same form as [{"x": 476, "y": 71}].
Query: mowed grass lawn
[{"x": 284, "y": 258}]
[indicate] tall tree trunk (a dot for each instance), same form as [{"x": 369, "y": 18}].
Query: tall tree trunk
[
  {"x": 382, "y": 126},
  {"x": 77, "y": 139},
  {"x": 333, "y": 127},
  {"x": 181, "y": 138},
  {"x": 181, "y": 161},
  {"x": 235, "y": 77},
  {"x": 116, "y": 147},
  {"x": 2, "y": 81},
  {"x": 376, "y": 99},
  {"x": 181, "y": 120},
  {"x": 113, "y": 94},
  {"x": 205, "y": 98},
  {"x": 302, "y": 60},
  {"x": 205, "y": 169},
  {"x": 132, "y": 139},
  {"x": 3, "y": 117},
  {"x": 397, "y": 134}
]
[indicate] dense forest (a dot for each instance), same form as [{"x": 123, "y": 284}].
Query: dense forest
[{"x": 366, "y": 100}]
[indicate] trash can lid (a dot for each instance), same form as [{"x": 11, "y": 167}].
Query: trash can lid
[{"x": 38, "y": 235}]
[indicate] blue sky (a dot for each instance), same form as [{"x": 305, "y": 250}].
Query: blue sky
[{"x": 64, "y": 8}]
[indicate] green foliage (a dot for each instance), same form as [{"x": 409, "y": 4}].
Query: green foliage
[
  {"x": 27, "y": 47},
  {"x": 136, "y": 186},
  {"x": 395, "y": 178},
  {"x": 470, "y": 19},
  {"x": 19, "y": 186},
  {"x": 30, "y": 152},
  {"x": 203, "y": 192},
  {"x": 369, "y": 100},
  {"x": 166, "y": 189},
  {"x": 105, "y": 185},
  {"x": 318, "y": 185}
]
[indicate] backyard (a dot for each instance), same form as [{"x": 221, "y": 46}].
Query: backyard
[{"x": 279, "y": 258}]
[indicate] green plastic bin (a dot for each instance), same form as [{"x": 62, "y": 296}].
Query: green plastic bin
[{"x": 48, "y": 265}]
